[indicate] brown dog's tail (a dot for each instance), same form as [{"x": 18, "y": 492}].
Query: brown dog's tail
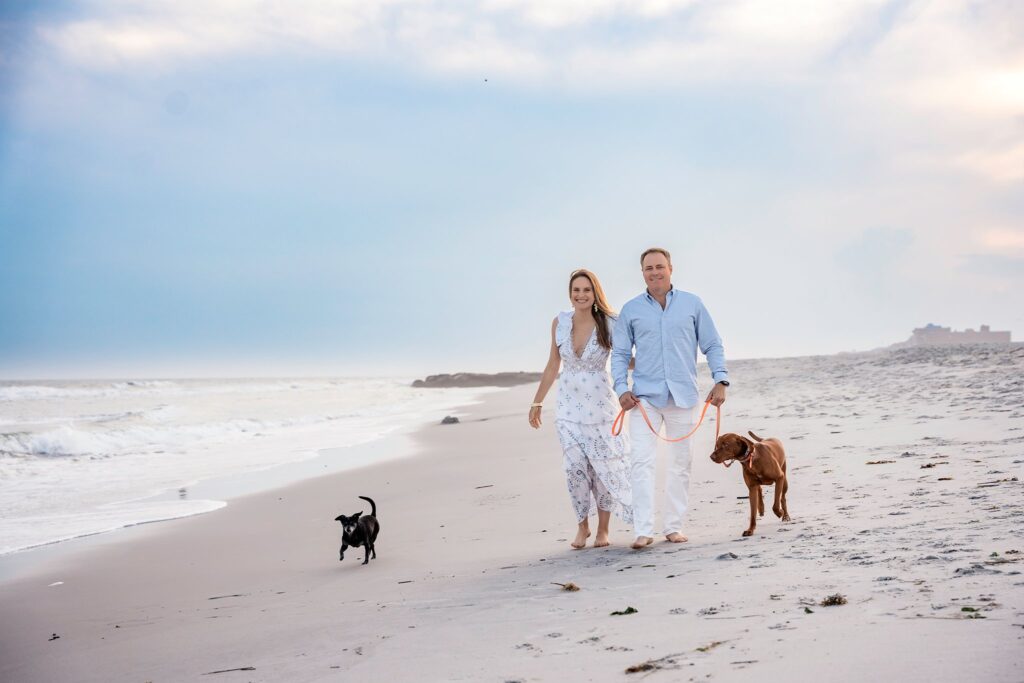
[{"x": 755, "y": 437}]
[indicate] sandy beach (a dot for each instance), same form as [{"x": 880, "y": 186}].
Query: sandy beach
[{"x": 907, "y": 475}]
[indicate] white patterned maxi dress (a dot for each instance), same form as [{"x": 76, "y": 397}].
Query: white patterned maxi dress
[{"x": 596, "y": 463}]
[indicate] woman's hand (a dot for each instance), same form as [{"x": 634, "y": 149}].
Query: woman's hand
[{"x": 535, "y": 417}]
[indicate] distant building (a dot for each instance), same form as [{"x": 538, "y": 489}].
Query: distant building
[{"x": 935, "y": 335}]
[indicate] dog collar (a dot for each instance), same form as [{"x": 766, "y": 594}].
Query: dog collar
[{"x": 745, "y": 460}]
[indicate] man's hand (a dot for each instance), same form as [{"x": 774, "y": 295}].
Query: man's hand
[
  {"x": 717, "y": 395},
  {"x": 628, "y": 401}
]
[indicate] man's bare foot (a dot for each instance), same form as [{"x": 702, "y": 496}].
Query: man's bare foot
[
  {"x": 601, "y": 540},
  {"x": 641, "y": 542},
  {"x": 581, "y": 538},
  {"x": 676, "y": 537}
]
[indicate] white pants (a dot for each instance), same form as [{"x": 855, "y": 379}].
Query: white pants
[{"x": 678, "y": 421}]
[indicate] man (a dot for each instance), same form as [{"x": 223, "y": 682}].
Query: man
[{"x": 666, "y": 326}]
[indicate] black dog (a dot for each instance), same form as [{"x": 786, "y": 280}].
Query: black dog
[{"x": 359, "y": 530}]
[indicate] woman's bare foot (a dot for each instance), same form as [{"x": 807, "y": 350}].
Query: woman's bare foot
[
  {"x": 582, "y": 534},
  {"x": 604, "y": 517},
  {"x": 641, "y": 542},
  {"x": 676, "y": 537}
]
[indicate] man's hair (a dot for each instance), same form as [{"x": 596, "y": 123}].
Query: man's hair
[{"x": 656, "y": 250}]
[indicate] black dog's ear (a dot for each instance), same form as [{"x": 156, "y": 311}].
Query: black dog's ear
[
  {"x": 356, "y": 516},
  {"x": 340, "y": 518}
]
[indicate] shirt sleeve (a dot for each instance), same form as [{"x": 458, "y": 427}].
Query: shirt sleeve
[
  {"x": 622, "y": 351},
  {"x": 711, "y": 344}
]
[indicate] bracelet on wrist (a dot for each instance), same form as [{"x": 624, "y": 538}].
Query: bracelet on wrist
[{"x": 536, "y": 405}]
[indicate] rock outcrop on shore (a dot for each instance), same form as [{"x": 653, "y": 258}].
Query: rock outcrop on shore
[{"x": 473, "y": 379}]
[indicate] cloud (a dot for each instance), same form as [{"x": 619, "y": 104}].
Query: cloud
[
  {"x": 1003, "y": 241},
  {"x": 554, "y": 14},
  {"x": 1002, "y": 164},
  {"x": 724, "y": 37},
  {"x": 931, "y": 88},
  {"x": 951, "y": 60}
]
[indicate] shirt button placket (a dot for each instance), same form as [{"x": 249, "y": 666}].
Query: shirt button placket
[{"x": 664, "y": 347}]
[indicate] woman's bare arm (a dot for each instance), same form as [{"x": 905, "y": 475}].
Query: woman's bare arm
[{"x": 546, "y": 379}]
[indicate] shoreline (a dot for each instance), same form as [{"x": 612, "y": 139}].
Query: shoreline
[
  {"x": 224, "y": 490},
  {"x": 221, "y": 491},
  {"x": 475, "y": 529}
]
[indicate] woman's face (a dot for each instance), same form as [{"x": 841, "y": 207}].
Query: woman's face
[{"x": 581, "y": 293}]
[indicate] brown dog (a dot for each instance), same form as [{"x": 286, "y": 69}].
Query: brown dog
[{"x": 764, "y": 463}]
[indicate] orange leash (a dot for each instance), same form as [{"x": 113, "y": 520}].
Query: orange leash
[{"x": 617, "y": 425}]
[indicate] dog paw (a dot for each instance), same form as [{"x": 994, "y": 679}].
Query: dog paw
[{"x": 748, "y": 532}]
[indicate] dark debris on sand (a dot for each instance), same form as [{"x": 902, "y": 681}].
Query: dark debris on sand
[
  {"x": 638, "y": 668},
  {"x": 667, "y": 662}
]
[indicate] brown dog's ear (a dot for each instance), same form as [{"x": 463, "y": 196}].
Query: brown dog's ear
[{"x": 748, "y": 443}]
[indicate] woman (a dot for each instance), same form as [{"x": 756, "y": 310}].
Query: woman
[{"x": 596, "y": 463}]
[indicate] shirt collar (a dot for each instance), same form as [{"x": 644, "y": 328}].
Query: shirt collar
[{"x": 671, "y": 293}]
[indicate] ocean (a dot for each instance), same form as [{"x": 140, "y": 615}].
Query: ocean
[{"x": 84, "y": 457}]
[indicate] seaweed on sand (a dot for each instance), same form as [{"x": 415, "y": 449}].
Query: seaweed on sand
[{"x": 833, "y": 600}]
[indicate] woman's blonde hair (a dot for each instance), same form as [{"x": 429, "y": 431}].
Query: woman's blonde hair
[{"x": 602, "y": 311}]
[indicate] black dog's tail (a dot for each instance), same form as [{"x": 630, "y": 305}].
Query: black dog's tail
[
  {"x": 373, "y": 506},
  {"x": 755, "y": 436}
]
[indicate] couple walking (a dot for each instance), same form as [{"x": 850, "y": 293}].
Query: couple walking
[{"x": 665, "y": 327}]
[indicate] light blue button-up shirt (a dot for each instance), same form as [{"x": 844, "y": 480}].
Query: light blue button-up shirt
[{"x": 666, "y": 344}]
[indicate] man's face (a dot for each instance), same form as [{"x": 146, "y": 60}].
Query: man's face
[{"x": 657, "y": 272}]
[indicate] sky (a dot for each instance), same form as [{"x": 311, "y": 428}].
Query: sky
[{"x": 229, "y": 187}]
